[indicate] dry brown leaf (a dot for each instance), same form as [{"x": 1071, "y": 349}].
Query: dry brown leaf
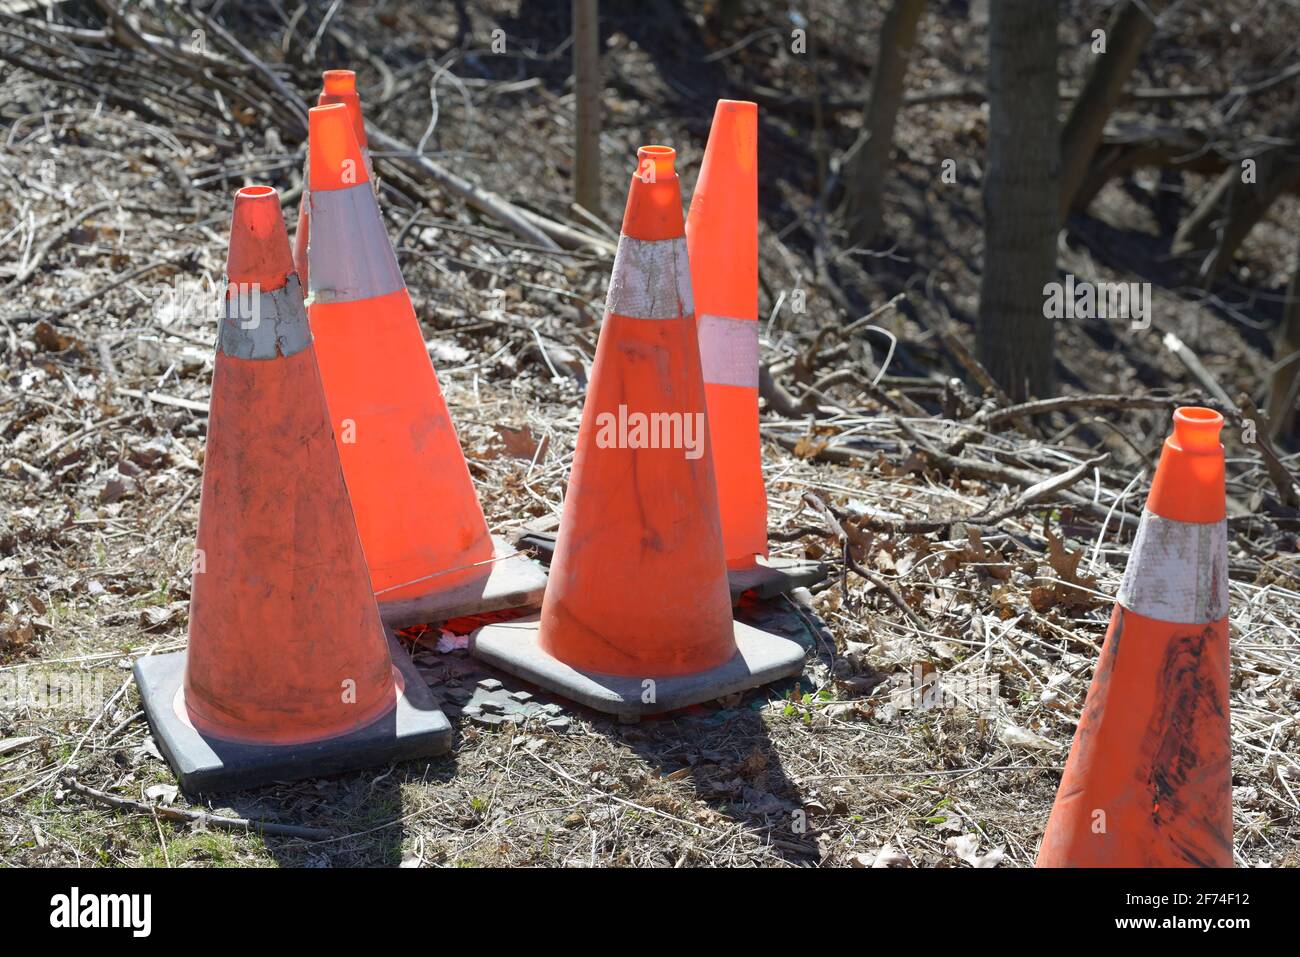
[
  {"x": 520, "y": 443},
  {"x": 1071, "y": 590},
  {"x": 806, "y": 448},
  {"x": 51, "y": 339}
]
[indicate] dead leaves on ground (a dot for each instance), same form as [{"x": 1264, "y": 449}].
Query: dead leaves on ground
[
  {"x": 1071, "y": 591},
  {"x": 988, "y": 560},
  {"x": 1012, "y": 574},
  {"x": 16, "y": 633}
]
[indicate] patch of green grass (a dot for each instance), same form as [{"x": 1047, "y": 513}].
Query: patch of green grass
[
  {"x": 210, "y": 848},
  {"x": 936, "y": 815},
  {"x": 160, "y": 595},
  {"x": 801, "y": 706},
  {"x": 58, "y": 608}
]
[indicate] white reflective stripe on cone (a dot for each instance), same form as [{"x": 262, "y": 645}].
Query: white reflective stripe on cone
[
  {"x": 729, "y": 350},
  {"x": 1177, "y": 571},
  {"x": 263, "y": 325},
  {"x": 349, "y": 256},
  {"x": 651, "y": 279}
]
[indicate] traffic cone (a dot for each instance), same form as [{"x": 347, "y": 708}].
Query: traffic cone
[
  {"x": 290, "y": 672},
  {"x": 636, "y": 618},
  {"x": 1149, "y": 779},
  {"x": 430, "y": 555},
  {"x": 722, "y": 239},
  {"x": 337, "y": 86}
]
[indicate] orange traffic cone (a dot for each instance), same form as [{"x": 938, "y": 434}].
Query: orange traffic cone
[
  {"x": 1149, "y": 780},
  {"x": 420, "y": 521},
  {"x": 636, "y": 617},
  {"x": 338, "y": 86},
  {"x": 289, "y": 671},
  {"x": 722, "y": 238}
]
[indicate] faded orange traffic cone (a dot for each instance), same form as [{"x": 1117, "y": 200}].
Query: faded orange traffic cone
[
  {"x": 337, "y": 86},
  {"x": 1149, "y": 779},
  {"x": 637, "y": 617},
  {"x": 289, "y": 670},
  {"x": 426, "y": 542},
  {"x": 722, "y": 239}
]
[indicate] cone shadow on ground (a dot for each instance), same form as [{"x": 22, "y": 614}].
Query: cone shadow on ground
[
  {"x": 734, "y": 768},
  {"x": 733, "y": 764},
  {"x": 366, "y": 813}
]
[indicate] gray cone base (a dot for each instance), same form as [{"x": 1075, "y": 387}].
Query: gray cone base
[
  {"x": 760, "y": 658},
  {"x": 773, "y": 576},
  {"x": 513, "y": 582},
  {"x": 416, "y": 728}
]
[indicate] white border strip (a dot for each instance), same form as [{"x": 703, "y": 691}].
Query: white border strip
[
  {"x": 729, "y": 350},
  {"x": 349, "y": 256},
  {"x": 271, "y": 325},
  {"x": 651, "y": 279},
  {"x": 1177, "y": 571}
]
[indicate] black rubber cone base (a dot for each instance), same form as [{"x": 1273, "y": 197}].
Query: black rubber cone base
[
  {"x": 416, "y": 728},
  {"x": 512, "y": 581},
  {"x": 760, "y": 657},
  {"x": 774, "y": 576},
  {"x": 771, "y": 577}
]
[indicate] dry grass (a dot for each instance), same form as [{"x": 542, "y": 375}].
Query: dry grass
[{"x": 101, "y": 442}]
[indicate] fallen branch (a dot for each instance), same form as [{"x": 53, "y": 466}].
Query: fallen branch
[
  {"x": 1193, "y": 364},
  {"x": 484, "y": 201},
  {"x": 97, "y": 294},
  {"x": 1061, "y": 403},
  {"x": 1128, "y": 29},
  {"x": 942, "y": 327},
  {"x": 55, "y": 237},
  {"x": 984, "y": 518},
  {"x": 568, "y": 236},
  {"x": 527, "y": 225},
  {"x": 842, "y": 534},
  {"x": 779, "y": 399},
  {"x": 950, "y": 464},
  {"x": 1231, "y": 207},
  {"x": 1288, "y": 489},
  {"x": 292, "y": 102},
  {"x": 161, "y": 399},
  {"x": 198, "y": 817}
]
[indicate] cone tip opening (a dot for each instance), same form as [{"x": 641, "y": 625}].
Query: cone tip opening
[
  {"x": 339, "y": 82},
  {"x": 654, "y": 199},
  {"x": 340, "y": 87},
  {"x": 660, "y": 159},
  {"x": 259, "y": 243},
  {"x": 335, "y": 158},
  {"x": 1197, "y": 429},
  {"x": 253, "y": 193}
]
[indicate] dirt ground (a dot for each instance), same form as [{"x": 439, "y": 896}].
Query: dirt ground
[{"x": 115, "y": 189}]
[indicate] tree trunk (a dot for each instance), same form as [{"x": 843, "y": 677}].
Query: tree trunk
[
  {"x": 1286, "y": 379},
  {"x": 586, "y": 99},
  {"x": 1021, "y": 197},
  {"x": 1227, "y": 214},
  {"x": 868, "y": 159},
  {"x": 1126, "y": 35}
]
